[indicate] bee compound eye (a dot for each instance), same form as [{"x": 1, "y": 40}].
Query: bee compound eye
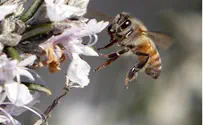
[{"x": 126, "y": 24}]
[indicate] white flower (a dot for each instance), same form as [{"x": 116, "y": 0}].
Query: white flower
[
  {"x": 80, "y": 30},
  {"x": 10, "y": 69},
  {"x": 71, "y": 39},
  {"x": 76, "y": 46},
  {"x": 7, "y": 9},
  {"x": 78, "y": 3},
  {"x": 18, "y": 110},
  {"x": 1, "y": 47},
  {"x": 76, "y": 31},
  {"x": 2, "y": 94},
  {"x": 17, "y": 93},
  {"x": 92, "y": 27},
  {"x": 9, "y": 110},
  {"x": 6, "y": 121},
  {"x": 78, "y": 71},
  {"x": 7, "y": 68},
  {"x": 58, "y": 10}
]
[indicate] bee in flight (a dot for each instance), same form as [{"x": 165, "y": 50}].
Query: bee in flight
[{"x": 131, "y": 35}]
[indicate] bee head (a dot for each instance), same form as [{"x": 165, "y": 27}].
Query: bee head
[{"x": 121, "y": 25}]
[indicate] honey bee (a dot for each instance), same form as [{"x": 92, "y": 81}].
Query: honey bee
[{"x": 131, "y": 35}]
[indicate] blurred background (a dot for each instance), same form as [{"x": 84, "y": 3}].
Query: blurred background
[{"x": 173, "y": 99}]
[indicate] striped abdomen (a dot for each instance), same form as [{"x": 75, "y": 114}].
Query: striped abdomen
[{"x": 153, "y": 66}]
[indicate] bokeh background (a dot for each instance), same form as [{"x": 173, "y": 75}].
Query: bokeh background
[{"x": 173, "y": 99}]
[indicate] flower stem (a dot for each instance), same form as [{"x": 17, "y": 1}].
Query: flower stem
[
  {"x": 48, "y": 111},
  {"x": 31, "y": 10}
]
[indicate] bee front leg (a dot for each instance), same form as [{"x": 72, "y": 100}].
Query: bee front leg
[
  {"x": 132, "y": 74},
  {"x": 112, "y": 57},
  {"x": 105, "y": 64},
  {"x": 108, "y": 45}
]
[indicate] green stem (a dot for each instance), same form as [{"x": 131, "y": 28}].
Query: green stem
[
  {"x": 37, "y": 30},
  {"x": 31, "y": 10}
]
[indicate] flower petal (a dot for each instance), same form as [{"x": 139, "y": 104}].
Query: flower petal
[
  {"x": 95, "y": 27},
  {"x": 2, "y": 96},
  {"x": 79, "y": 3},
  {"x": 6, "y": 121},
  {"x": 22, "y": 71},
  {"x": 7, "y": 68},
  {"x": 78, "y": 71},
  {"x": 59, "y": 12},
  {"x": 1, "y": 89},
  {"x": 49, "y": 1},
  {"x": 91, "y": 28},
  {"x": 18, "y": 94},
  {"x": 6, "y": 9},
  {"x": 28, "y": 61},
  {"x": 16, "y": 111},
  {"x": 76, "y": 46},
  {"x": 88, "y": 51}
]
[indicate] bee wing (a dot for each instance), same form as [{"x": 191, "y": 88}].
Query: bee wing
[
  {"x": 92, "y": 13},
  {"x": 160, "y": 39}
]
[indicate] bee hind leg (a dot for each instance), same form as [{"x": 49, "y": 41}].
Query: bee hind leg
[{"x": 132, "y": 74}]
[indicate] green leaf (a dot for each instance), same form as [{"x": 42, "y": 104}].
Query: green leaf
[
  {"x": 13, "y": 53},
  {"x": 37, "y": 30},
  {"x": 37, "y": 87},
  {"x": 31, "y": 10}
]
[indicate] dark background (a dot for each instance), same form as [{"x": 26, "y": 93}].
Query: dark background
[{"x": 173, "y": 99}]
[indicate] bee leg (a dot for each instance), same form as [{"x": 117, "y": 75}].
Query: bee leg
[
  {"x": 105, "y": 64},
  {"x": 115, "y": 54},
  {"x": 108, "y": 45},
  {"x": 132, "y": 74},
  {"x": 112, "y": 57},
  {"x": 142, "y": 63}
]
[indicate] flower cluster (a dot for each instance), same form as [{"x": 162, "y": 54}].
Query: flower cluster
[
  {"x": 71, "y": 40},
  {"x": 65, "y": 41}
]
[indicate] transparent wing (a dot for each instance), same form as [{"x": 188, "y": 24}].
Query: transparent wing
[{"x": 160, "y": 39}]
